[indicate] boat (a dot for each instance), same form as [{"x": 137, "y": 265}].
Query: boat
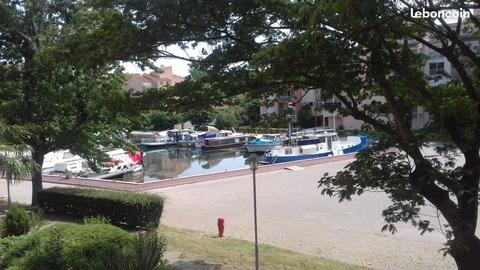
[
  {"x": 228, "y": 141},
  {"x": 188, "y": 139},
  {"x": 161, "y": 139},
  {"x": 62, "y": 161},
  {"x": 207, "y": 132},
  {"x": 120, "y": 162},
  {"x": 265, "y": 143},
  {"x": 329, "y": 145}
]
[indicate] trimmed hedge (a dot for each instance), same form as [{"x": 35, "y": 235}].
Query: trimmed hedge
[
  {"x": 133, "y": 210},
  {"x": 69, "y": 246}
]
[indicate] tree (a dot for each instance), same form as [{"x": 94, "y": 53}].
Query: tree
[
  {"x": 251, "y": 112},
  {"x": 163, "y": 120},
  {"x": 60, "y": 74},
  {"x": 198, "y": 117},
  {"x": 365, "y": 54},
  {"x": 305, "y": 117},
  {"x": 226, "y": 119}
]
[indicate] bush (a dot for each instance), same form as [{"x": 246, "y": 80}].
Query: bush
[
  {"x": 17, "y": 222},
  {"x": 124, "y": 208},
  {"x": 70, "y": 246},
  {"x": 96, "y": 220},
  {"x": 148, "y": 252}
]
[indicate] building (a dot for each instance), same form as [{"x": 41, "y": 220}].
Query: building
[
  {"x": 141, "y": 82},
  {"x": 296, "y": 99},
  {"x": 438, "y": 69}
]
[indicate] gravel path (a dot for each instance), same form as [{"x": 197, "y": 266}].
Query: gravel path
[{"x": 293, "y": 215}]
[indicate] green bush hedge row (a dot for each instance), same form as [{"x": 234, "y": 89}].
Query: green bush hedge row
[
  {"x": 69, "y": 246},
  {"x": 133, "y": 210}
]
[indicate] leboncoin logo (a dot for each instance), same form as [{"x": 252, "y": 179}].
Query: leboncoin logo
[{"x": 442, "y": 14}]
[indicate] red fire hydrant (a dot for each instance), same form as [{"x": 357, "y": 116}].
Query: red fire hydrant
[{"x": 221, "y": 226}]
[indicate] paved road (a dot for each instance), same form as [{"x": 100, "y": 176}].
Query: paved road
[{"x": 292, "y": 214}]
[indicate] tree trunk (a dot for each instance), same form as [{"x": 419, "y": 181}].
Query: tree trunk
[
  {"x": 37, "y": 176},
  {"x": 8, "y": 191},
  {"x": 466, "y": 252}
]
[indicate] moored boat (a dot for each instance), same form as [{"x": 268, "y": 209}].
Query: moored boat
[
  {"x": 329, "y": 145},
  {"x": 161, "y": 139},
  {"x": 231, "y": 141},
  {"x": 265, "y": 143},
  {"x": 120, "y": 162}
]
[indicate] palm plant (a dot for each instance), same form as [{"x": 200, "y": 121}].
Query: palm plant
[{"x": 15, "y": 158}]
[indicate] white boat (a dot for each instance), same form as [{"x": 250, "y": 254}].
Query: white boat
[
  {"x": 161, "y": 139},
  {"x": 329, "y": 145},
  {"x": 64, "y": 161},
  {"x": 265, "y": 143},
  {"x": 188, "y": 139}
]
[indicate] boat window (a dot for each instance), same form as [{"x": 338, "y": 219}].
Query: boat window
[
  {"x": 267, "y": 137},
  {"x": 67, "y": 155},
  {"x": 288, "y": 151},
  {"x": 229, "y": 141},
  {"x": 321, "y": 139}
]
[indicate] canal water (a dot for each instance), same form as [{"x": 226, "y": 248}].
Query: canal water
[{"x": 178, "y": 162}]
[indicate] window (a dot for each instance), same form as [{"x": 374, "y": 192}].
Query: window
[
  {"x": 147, "y": 84},
  {"x": 436, "y": 69}
]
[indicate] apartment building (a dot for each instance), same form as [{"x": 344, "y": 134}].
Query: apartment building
[
  {"x": 438, "y": 69},
  {"x": 295, "y": 99},
  {"x": 141, "y": 82}
]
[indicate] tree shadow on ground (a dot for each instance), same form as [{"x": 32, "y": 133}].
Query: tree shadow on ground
[
  {"x": 194, "y": 265},
  {"x": 180, "y": 262}
]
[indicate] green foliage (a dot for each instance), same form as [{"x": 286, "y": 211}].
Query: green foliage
[
  {"x": 305, "y": 117},
  {"x": 225, "y": 119},
  {"x": 17, "y": 222},
  {"x": 130, "y": 209},
  {"x": 251, "y": 113},
  {"x": 61, "y": 77},
  {"x": 163, "y": 120},
  {"x": 148, "y": 252},
  {"x": 198, "y": 117},
  {"x": 96, "y": 220},
  {"x": 275, "y": 121},
  {"x": 69, "y": 246}
]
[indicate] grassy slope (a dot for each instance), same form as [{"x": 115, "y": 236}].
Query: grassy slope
[{"x": 239, "y": 254}]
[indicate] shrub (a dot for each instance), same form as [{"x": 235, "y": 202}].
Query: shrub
[
  {"x": 17, "y": 222},
  {"x": 96, "y": 220},
  {"x": 124, "y": 208},
  {"x": 70, "y": 246},
  {"x": 148, "y": 252}
]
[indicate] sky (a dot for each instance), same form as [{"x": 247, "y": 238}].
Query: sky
[{"x": 180, "y": 67}]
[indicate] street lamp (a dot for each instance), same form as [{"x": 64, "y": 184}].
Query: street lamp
[{"x": 252, "y": 160}]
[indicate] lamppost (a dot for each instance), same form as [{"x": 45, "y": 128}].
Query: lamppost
[{"x": 253, "y": 162}]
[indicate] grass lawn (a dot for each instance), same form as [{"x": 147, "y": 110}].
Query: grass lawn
[{"x": 228, "y": 253}]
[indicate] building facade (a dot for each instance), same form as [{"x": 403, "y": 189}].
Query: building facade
[
  {"x": 437, "y": 68},
  {"x": 140, "y": 82}
]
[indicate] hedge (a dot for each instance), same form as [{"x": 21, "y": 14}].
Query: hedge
[
  {"x": 133, "y": 210},
  {"x": 69, "y": 246}
]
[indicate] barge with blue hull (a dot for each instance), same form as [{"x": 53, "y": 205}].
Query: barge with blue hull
[{"x": 323, "y": 145}]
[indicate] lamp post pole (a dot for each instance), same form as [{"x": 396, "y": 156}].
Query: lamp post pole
[
  {"x": 255, "y": 217},
  {"x": 253, "y": 162}
]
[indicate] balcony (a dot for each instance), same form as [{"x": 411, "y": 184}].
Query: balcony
[
  {"x": 328, "y": 106},
  {"x": 286, "y": 99}
]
